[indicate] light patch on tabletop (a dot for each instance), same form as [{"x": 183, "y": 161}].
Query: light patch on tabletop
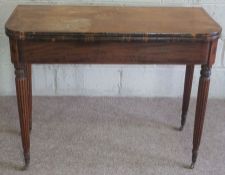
[
  {"x": 62, "y": 25},
  {"x": 81, "y": 24}
]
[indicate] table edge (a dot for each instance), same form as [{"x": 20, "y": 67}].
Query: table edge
[
  {"x": 145, "y": 37},
  {"x": 21, "y": 35}
]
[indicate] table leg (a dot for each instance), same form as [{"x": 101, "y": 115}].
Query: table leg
[
  {"x": 22, "y": 91},
  {"x": 187, "y": 93},
  {"x": 29, "y": 77},
  {"x": 203, "y": 89}
]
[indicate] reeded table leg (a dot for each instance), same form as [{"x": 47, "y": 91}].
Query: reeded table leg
[
  {"x": 29, "y": 75},
  {"x": 187, "y": 93},
  {"x": 200, "y": 110},
  {"x": 22, "y": 91}
]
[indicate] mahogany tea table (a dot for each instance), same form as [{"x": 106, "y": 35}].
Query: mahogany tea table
[{"x": 41, "y": 34}]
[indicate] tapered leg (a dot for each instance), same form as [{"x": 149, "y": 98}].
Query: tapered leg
[
  {"x": 22, "y": 91},
  {"x": 187, "y": 93},
  {"x": 200, "y": 110},
  {"x": 29, "y": 75}
]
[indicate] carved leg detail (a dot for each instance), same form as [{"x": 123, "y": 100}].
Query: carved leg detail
[
  {"x": 200, "y": 110},
  {"x": 23, "y": 108},
  {"x": 187, "y": 93},
  {"x": 29, "y": 92}
]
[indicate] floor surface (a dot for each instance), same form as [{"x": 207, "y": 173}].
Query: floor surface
[{"x": 111, "y": 136}]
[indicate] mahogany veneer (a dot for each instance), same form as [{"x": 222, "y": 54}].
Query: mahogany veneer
[{"x": 112, "y": 35}]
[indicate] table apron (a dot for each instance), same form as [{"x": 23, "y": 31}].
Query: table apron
[{"x": 114, "y": 52}]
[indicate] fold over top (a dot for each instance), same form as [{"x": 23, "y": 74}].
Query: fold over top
[{"x": 109, "y": 23}]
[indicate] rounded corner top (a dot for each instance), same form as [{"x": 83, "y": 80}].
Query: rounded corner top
[{"x": 14, "y": 33}]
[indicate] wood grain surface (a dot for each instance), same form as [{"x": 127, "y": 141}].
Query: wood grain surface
[
  {"x": 36, "y": 20},
  {"x": 114, "y": 52}
]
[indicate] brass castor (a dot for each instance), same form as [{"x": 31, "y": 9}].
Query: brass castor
[
  {"x": 192, "y": 165},
  {"x": 27, "y": 161},
  {"x": 183, "y": 120}
]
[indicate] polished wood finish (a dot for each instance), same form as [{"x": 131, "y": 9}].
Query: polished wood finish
[
  {"x": 114, "y": 53},
  {"x": 24, "y": 97},
  {"x": 202, "y": 98},
  {"x": 23, "y": 107},
  {"x": 200, "y": 110},
  {"x": 38, "y": 21},
  {"x": 187, "y": 93},
  {"x": 111, "y": 35},
  {"x": 29, "y": 78}
]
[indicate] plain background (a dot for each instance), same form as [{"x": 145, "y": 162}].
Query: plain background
[{"x": 112, "y": 80}]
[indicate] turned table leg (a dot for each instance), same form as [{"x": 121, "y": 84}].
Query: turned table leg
[
  {"x": 200, "y": 110},
  {"x": 187, "y": 93},
  {"x": 22, "y": 90}
]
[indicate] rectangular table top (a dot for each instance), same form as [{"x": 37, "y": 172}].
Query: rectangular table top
[{"x": 45, "y": 20}]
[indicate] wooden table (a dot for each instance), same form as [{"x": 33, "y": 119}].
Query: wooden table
[{"x": 112, "y": 35}]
